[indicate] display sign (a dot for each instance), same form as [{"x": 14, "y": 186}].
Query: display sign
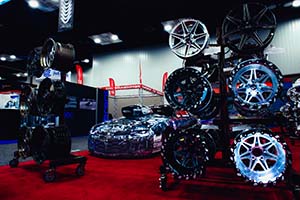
[
  {"x": 66, "y": 15},
  {"x": 9, "y": 101},
  {"x": 53, "y": 75}
]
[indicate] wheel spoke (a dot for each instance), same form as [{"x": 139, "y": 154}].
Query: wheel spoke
[
  {"x": 186, "y": 160},
  {"x": 260, "y": 97},
  {"x": 263, "y": 78},
  {"x": 267, "y": 89},
  {"x": 187, "y": 48},
  {"x": 253, "y": 74},
  {"x": 247, "y": 145},
  {"x": 194, "y": 28},
  {"x": 178, "y": 45},
  {"x": 246, "y": 13},
  {"x": 177, "y": 36},
  {"x": 266, "y": 26},
  {"x": 257, "y": 140},
  {"x": 260, "y": 15},
  {"x": 243, "y": 41},
  {"x": 184, "y": 28},
  {"x": 241, "y": 90},
  {"x": 253, "y": 164},
  {"x": 243, "y": 79},
  {"x": 199, "y": 36},
  {"x": 270, "y": 156},
  {"x": 248, "y": 97},
  {"x": 263, "y": 164},
  {"x": 245, "y": 155},
  {"x": 231, "y": 33},
  {"x": 196, "y": 46},
  {"x": 234, "y": 20},
  {"x": 257, "y": 39}
]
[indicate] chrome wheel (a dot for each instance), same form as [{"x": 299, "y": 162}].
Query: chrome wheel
[
  {"x": 259, "y": 156},
  {"x": 249, "y": 28},
  {"x": 188, "y": 38},
  {"x": 255, "y": 84},
  {"x": 187, "y": 89},
  {"x": 294, "y": 93}
]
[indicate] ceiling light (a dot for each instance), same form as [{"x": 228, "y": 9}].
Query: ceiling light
[
  {"x": 33, "y": 3},
  {"x": 97, "y": 40},
  {"x": 18, "y": 75},
  {"x": 3, "y": 58},
  {"x": 86, "y": 61},
  {"x": 167, "y": 27},
  {"x": 105, "y": 38},
  {"x": 114, "y": 37},
  {"x": 296, "y": 3},
  {"x": 12, "y": 57},
  {"x": 3, "y": 1},
  {"x": 25, "y": 74}
]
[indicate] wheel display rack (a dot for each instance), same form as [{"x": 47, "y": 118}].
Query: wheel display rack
[
  {"x": 223, "y": 120},
  {"x": 43, "y": 134}
]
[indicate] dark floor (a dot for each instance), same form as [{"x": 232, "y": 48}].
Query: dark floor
[{"x": 7, "y": 150}]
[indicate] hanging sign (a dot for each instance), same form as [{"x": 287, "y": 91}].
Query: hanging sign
[{"x": 66, "y": 15}]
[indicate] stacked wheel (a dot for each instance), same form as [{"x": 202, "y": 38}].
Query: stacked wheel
[
  {"x": 255, "y": 85},
  {"x": 249, "y": 28},
  {"x": 187, "y": 89},
  {"x": 185, "y": 152},
  {"x": 260, "y": 156},
  {"x": 188, "y": 38}
]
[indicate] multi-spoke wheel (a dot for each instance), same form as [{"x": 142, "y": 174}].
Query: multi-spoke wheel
[
  {"x": 255, "y": 84},
  {"x": 45, "y": 97},
  {"x": 294, "y": 93},
  {"x": 187, "y": 89},
  {"x": 188, "y": 38},
  {"x": 249, "y": 28},
  {"x": 26, "y": 99},
  {"x": 57, "y": 55},
  {"x": 34, "y": 67},
  {"x": 260, "y": 157},
  {"x": 185, "y": 152}
]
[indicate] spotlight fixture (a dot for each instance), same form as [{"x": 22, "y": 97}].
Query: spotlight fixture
[
  {"x": 97, "y": 40},
  {"x": 105, "y": 38},
  {"x": 12, "y": 57},
  {"x": 168, "y": 25},
  {"x": 86, "y": 61},
  {"x": 114, "y": 37},
  {"x": 2, "y": 58},
  {"x": 296, "y": 3},
  {"x": 3, "y": 2},
  {"x": 33, "y": 3}
]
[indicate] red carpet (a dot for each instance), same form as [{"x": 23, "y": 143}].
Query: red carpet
[{"x": 111, "y": 179}]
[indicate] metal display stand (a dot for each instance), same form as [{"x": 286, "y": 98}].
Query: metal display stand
[
  {"x": 224, "y": 122},
  {"x": 43, "y": 134}
]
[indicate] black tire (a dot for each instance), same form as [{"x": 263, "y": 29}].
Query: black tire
[
  {"x": 80, "y": 170},
  {"x": 14, "y": 163},
  {"x": 49, "y": 175},
  {"x": 185, "y": 152}
]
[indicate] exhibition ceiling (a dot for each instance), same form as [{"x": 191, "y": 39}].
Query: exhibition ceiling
[{"x": 137, "y": 23}]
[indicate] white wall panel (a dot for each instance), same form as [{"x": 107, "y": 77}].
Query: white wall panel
[
  {"x": 123, "y": 66},
  {"x": 287, "y": 36}
]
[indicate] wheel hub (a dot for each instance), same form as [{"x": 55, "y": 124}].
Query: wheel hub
[{"x": 257, "y": 151}]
